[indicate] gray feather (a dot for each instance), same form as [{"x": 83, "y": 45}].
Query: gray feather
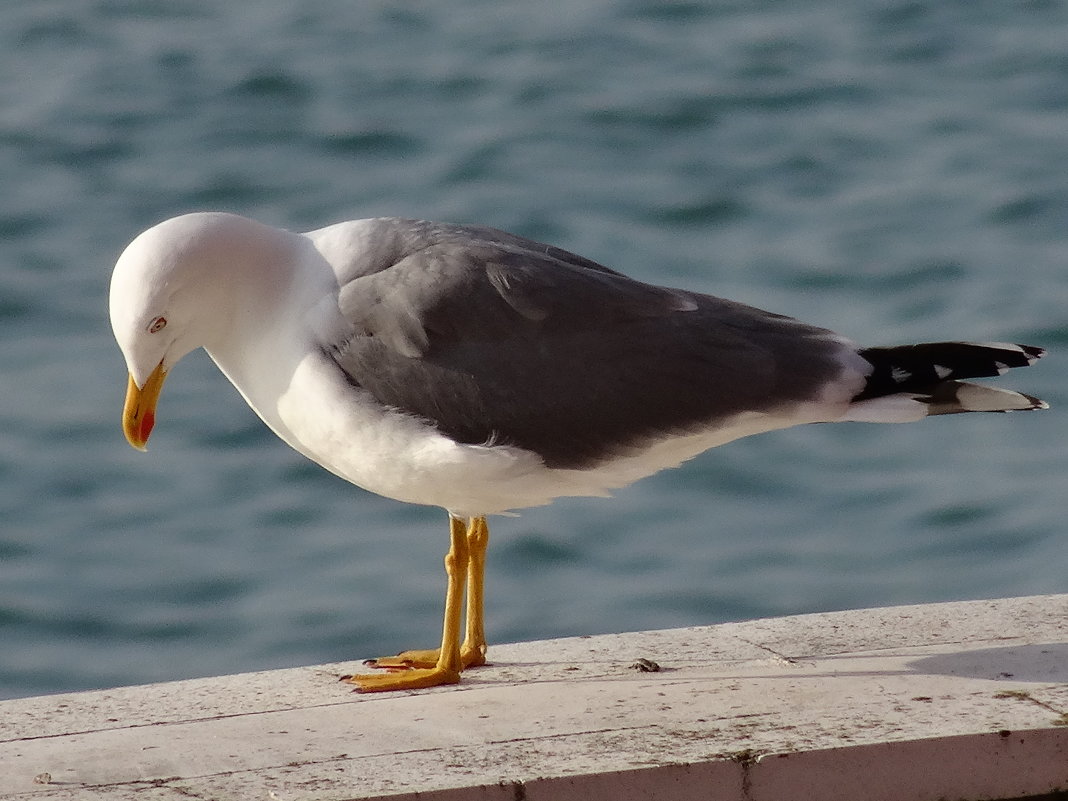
[{"x": 491, "y": 337}]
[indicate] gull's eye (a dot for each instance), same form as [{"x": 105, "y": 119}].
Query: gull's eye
[{"x": 157, "y": 324}]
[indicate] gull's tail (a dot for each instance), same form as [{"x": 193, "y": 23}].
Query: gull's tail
[{"x": 909, "y": 382}]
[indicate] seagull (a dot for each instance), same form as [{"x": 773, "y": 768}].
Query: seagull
[{"x": 481, "y": 372}]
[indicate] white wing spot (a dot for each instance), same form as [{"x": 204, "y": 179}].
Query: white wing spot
[
  {"x": 900, "y": 374},
  {"x": 1001, "y": 367},
  {"x": 941, "y": 370}
]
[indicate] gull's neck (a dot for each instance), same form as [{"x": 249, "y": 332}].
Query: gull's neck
[{"x": 262, "y": 300}]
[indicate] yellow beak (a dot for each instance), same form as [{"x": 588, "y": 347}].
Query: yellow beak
[{"x": 139, "y": 413}]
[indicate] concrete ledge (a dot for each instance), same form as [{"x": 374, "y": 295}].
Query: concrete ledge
[{"x": 946, "y": 701}]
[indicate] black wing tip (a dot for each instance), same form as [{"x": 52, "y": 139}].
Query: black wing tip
[
  {"x": 1033, "y": 352},
  {"x": 923, "y": 368}
]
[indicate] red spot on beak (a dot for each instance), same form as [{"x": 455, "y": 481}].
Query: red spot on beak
[{"x": 147, "y": 422}]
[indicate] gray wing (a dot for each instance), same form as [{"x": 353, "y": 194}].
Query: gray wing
[{"x": 495, "y": 338}]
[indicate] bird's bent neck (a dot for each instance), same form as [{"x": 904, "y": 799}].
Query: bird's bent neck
[
  {"x": 268, "y": 287},
  {"x": 255, "y": 281}
]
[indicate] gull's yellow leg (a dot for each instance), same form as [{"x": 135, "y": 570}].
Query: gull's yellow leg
[
  {"x": 447, "y": 668},
  {"x": 473, "y": 650}
]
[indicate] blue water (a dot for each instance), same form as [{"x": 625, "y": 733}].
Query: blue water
[{"x": 894, "y": 170}]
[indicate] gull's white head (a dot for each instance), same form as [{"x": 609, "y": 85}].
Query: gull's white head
[{"x": 172, "y": 291}]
